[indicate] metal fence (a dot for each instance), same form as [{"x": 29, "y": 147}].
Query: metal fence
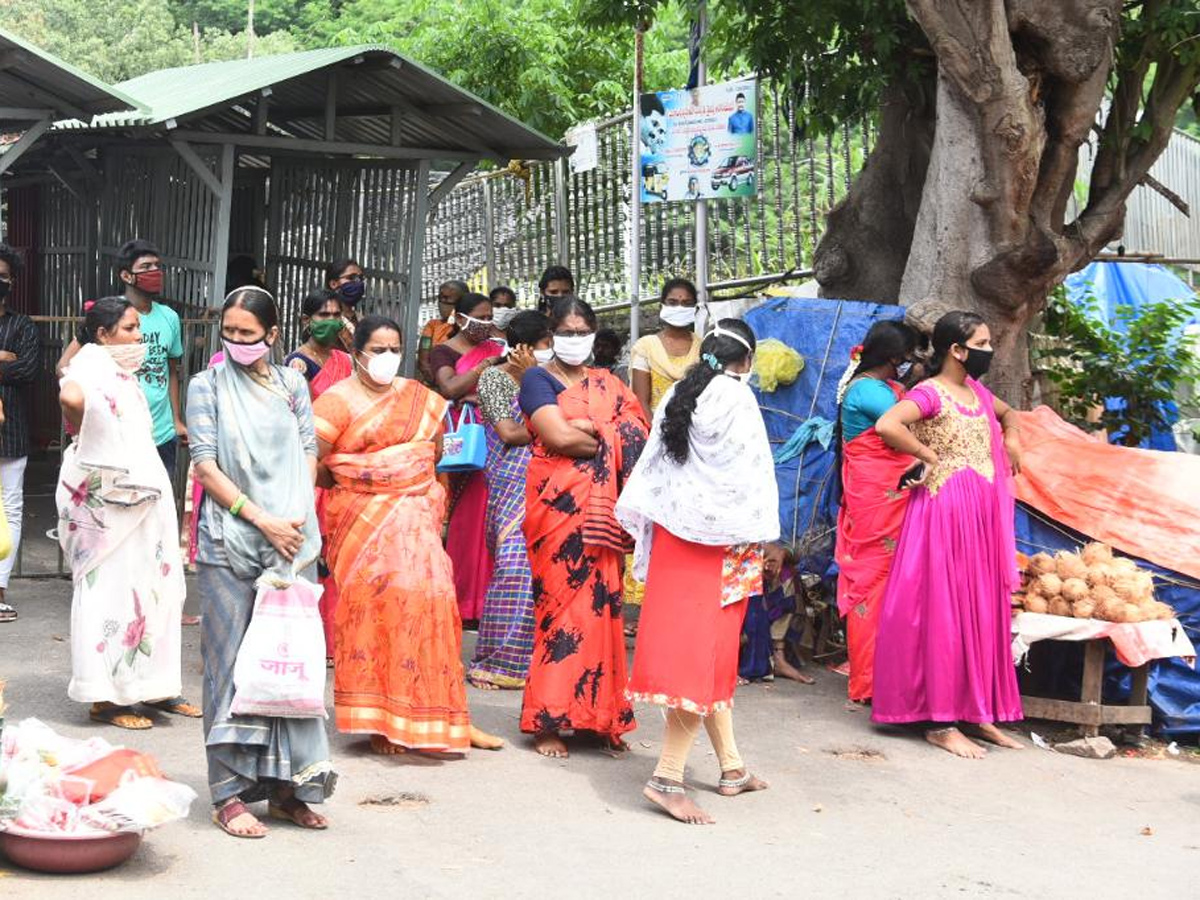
[{"x": 505, "y": 227}]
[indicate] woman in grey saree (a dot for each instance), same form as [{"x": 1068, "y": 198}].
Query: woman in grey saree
[{"x": 251, "y": 437}]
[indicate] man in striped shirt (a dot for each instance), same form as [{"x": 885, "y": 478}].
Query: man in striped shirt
[{"x": 19, "y": 349}]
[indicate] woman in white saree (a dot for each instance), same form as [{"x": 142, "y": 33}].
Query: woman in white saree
[{"x": 117, "y": 528}]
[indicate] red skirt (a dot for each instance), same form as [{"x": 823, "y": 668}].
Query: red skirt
[{"x": 687, "y": 644}]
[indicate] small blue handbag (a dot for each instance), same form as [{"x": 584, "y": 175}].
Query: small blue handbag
[{"x": 465, "y": 448}]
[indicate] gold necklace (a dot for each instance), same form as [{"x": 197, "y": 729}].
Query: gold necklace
[{"x": 563, "y": 372}]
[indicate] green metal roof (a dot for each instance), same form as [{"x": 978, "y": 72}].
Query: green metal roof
[
  {"x": 438, "y": 113},
  {"x": 35, "y": 79}
]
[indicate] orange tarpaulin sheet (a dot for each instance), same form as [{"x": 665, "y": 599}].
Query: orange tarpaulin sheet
[{"x": 1143, "y": 502}]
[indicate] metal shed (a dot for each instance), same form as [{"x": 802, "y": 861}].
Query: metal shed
[{"x": 294, "y": 160}]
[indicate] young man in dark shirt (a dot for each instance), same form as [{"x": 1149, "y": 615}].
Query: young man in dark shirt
[{"x": 20, "y": 347}]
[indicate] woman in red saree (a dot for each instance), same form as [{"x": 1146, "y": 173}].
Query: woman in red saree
[
  {"x": 323, "y": 365},
  {"x": 457, "y": 365},
  {"x": 398, "y": 673},
  {"x": 588, "y": 430},
  {"x": 873, "y": 504}
]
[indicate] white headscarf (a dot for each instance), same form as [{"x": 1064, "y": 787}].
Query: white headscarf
[{"x": 725, "y": 494}]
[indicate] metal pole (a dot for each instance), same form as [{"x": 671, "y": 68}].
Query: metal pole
[
  {"x": 635, "y": 199},
  {"x": 562, "y": 243},
  {"x": 701, "y": 238},
  {"x": 489, "y": 235},
  {"x": 224, "y": 219},
  {"x": 416, "y": 263}
]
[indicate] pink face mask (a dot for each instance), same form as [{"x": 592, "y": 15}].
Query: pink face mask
[{"x": 246, "y": 354}]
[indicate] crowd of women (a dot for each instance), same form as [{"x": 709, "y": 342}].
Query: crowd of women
[{"x": 326, "y": 468}]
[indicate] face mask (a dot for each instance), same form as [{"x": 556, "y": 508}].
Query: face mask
[
  {"x": 351, "y": 292},
  {"x": 678, "y": 316},
  {"x": 543, "y": 357},
  {"x": 503, "y": 315},
  {"x": 743, "y": 377},
  {"x": 978, "y": 361},
  {"x": 246, "y": 354},
  {"x": 325, "y": 331},
  {"x": 502, "y": 344},
  {"x": 149, "y": 282},
  {"x": 382, "y": 367},
  {"x": 476, "y": 329},
  {"x": 903, "y": 369},
  {"x": 128, "y": 356},
  {"x": 573, "y": 350},
  {"x": 5, "y": 287}
]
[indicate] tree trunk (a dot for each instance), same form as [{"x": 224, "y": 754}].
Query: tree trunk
[{"x": 867, "y": 238}]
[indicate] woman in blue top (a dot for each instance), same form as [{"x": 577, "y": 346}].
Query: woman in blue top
[{"x": 873, "y": 506}]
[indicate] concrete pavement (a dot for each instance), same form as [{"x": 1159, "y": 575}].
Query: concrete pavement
[{"x": 852, "y": 811}]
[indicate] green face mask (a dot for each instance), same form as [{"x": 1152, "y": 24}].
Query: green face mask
[{"x": 325, "y": 331}]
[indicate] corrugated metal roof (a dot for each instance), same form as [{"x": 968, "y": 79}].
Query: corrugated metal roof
[
  {"x": 33, "y": 79},
  {"x": 371, "y": 81}
]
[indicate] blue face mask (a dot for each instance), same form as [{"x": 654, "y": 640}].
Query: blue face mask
[{"x": 351, "y": 292}]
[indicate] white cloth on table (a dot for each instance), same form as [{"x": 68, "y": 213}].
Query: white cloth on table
[{"x": 1136, "y": 643}]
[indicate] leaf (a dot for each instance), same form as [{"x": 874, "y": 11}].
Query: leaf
[
  {"x": 90, "y": 578},
  {"x": 144, "y": 647},
  {"x": 130, "y": 655}
]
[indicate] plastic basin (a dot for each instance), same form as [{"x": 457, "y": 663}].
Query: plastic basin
[{"x": 67, "y": 853}]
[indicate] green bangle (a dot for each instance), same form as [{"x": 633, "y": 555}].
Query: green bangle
[{"x": 238, "y": 504}]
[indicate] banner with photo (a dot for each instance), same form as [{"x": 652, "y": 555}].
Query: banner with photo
[{"x": 699, "y": 144}]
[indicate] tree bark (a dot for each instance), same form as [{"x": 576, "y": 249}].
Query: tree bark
[
  {"x": 1019, "y": 85},
  {"x": 868, "y": 235}
]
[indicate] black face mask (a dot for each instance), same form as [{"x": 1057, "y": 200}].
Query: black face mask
[
  {"x": 5, "y": 287},
  {"x": 978, "y": 361}
]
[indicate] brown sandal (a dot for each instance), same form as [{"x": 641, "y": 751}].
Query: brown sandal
[
  {"x": 293, "y": 810},
  {"x": 223, "y": 815},
  {"x": 120, "y": 716}
]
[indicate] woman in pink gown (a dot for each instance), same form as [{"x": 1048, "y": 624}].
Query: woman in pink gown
[
  {"x": 457, "y": 365},
  {"x": 942, "y": 653}
]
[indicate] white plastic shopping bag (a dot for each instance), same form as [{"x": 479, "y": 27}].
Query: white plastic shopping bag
[{"x": 280, "y": 667}]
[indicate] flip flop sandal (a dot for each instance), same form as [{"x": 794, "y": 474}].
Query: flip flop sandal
[
  {"x": 177, "y": 706},
  {"x": 230, "y": 811},
  {"x": 121, "y": 717},
  {"x": 291, "y": 810},
  {"x": 7, "y": 613}
]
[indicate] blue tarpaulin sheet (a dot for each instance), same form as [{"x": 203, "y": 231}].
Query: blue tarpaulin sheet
[
  {"x": 823, "y": 332},
  {"x": 1174, "y": 685}
]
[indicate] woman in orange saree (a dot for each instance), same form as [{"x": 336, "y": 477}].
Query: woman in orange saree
[
  {"x": 588, "y": 430},
  {"x": 398, "y": 674},
  {"x": 873, "y": 504}
]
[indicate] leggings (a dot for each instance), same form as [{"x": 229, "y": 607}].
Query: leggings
[{"x": 682, "y": 727}]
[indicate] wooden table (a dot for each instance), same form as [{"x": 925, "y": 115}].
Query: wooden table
[{"x": 1089, "y": 711}]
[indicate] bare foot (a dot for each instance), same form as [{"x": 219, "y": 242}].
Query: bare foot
[
  {"x": 671, "y": 797},
  {"x": 549, "y": 744},
  {"x": 481, "y": 740},
  {"x": 987, "y": 731},
  {"x": 739, "y": 781},
  {"x": 481, "y": 685},
  {"x": 954, "y": 741},
  {"x": 382, "y": 745},
  {"x": 785, "y": 669}
]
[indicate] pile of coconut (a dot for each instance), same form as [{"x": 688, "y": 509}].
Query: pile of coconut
[{"x": 1091, "y": 584}]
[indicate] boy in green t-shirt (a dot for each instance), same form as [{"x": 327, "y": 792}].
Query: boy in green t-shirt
[{"x": 141, "y": 272}]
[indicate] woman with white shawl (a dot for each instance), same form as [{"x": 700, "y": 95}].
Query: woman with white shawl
[
  {"x": 117, "y": 528},
  {"x": 700, "y": 504}
]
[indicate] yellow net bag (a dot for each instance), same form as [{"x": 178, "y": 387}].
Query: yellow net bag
[{"x": 775, "y": 364}]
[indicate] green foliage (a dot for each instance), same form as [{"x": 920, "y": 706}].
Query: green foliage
[
  {"x": 535, "y": 59},
  {"x": 1142, "y": 358}
]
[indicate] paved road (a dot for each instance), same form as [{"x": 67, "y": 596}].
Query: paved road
[{"x": 852, "y": 811}]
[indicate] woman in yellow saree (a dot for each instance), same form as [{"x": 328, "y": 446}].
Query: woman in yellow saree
[{"x": 398, "y": 673}]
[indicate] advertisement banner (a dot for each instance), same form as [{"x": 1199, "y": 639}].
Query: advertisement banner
[{"x": 699, "y": 144}]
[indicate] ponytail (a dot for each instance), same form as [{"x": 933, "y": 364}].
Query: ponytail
[{"x": 717, "y": 352}]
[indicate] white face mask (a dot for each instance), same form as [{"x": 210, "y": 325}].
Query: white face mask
[
  {"x": 502, "y": 344},
  {"x": 574, "y": 350},
  {"x": 678, "y": 316},
  {"x": 543, "y": 357},
  {"x": 382, "y": 367},
  {"x": 502, "y": 315},
  {"x": 128, "y": 356}
]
